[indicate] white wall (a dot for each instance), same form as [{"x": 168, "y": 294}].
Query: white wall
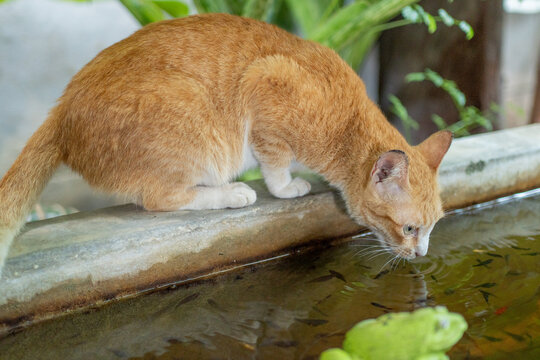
[
  {"x": 43, "y": 43},
  {"x": 520, "y": 60}
]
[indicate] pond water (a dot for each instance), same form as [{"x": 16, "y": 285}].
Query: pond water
[{"x": 483, "y": 263}]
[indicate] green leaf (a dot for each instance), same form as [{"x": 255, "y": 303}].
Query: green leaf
[
  {"x": 446, "y": 18},
  {"x": 400, "y": 111},
  {"x": 426, "y": 18},
  {"x": 174, "y": 8},
  {"x": 467, "y": 29},
  {"x": 236, "y": 6},
  {"x": 439, "y": 121},
  {"x": 434, "y": 77},
  {"x": 456, "y": 95},
  {"x": 486, "y": 123},
  {"x": 410, "y": 14},
  {"x": 397, "y": 107},
  {"x": 480, "y": 119},
  {"x": 212, "y": 6},
  {"x": 470, "y": 116},
  {"x": 330, "y": 9},
  {"x": 308, "y": 13},
  {"x": 413, "y": 123},
  {"x": 429, "y": 20},
  {"x": 355, "y": 20},
  {"x": 145, "y": 11},
  {"x": 355, "y": 52},
  {"x": 341, "y": 21},
  {"x": 462, "y": 132},
  {"x": 264, "y": 10},
  {"x": 415, "y": 77}
]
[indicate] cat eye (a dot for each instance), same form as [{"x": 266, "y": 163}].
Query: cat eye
[{"x": 409, "y": 230}]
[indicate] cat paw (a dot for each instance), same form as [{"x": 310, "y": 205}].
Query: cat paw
[
  {"x": 237, "y": 195},
  {"x": 297, "y": 187}
]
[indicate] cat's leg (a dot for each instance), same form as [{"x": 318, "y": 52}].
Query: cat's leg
[
  {"x": 281, "y": 184},
  {"x": 275, "y": 158},
  {"x": 232, "y": 195}
]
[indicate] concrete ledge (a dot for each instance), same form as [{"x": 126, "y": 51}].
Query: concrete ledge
[
  {"x": 482, "y": 167},
  {"x": 89, "y": 258}
]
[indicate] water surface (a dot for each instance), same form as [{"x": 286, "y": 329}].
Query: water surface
[{"x": 484, "y": 264}]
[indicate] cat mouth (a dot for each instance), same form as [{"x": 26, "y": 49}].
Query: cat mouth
[
  {"x": 393, "y": 249},
  {"x": 403, "y": 254}
]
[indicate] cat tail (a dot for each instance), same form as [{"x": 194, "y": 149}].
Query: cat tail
[{"x": 25, "y": 180}]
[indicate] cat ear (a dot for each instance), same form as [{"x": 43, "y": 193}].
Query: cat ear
[
  {"x": 390, "y": 173},
  {"x": 435, "y": 147}
]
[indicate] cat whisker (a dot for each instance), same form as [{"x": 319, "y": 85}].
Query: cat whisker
[
  {"x": 369, "y": 251},
  {"x": 393, "y": 262},
  {"x": 398, "y": 262},
  {"x": 386, "y": 263},
  {"x": 374, "y": 243},
  {"x": 363, "y": 236},
  {"x": 366, "y": 245},
  {"x": 378, "y": 253},
  {"x": 371, "y": 244},
  {"x": 376, "y": 256},
  {"x": 366, "y": 240}
]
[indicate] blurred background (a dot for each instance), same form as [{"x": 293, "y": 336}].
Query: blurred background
[{"x": 467, "y": 65}]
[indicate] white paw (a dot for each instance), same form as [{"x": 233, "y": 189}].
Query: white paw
[
  {"x": 297, "y": 187},
  {"x": 238, "y": 194}
]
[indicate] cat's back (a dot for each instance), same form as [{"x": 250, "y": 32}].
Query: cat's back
[
  {"x": 202, "y": 46},
  {"x": 177, "y": 89},
  {"x": 213, "y": 49}
]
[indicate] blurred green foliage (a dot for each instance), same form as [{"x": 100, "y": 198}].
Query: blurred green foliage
[
  {"x": 349, "y": 27},
  {"x": 148, "y": 11},
  {"x": 470, "y": 116}
]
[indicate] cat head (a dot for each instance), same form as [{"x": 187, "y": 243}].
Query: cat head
[{"x": 401, "y": 201}]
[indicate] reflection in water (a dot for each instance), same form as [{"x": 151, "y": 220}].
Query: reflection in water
[{"x": 482, "y": 264}]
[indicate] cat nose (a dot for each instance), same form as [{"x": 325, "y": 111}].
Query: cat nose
[{"x": 422, "y": 248}]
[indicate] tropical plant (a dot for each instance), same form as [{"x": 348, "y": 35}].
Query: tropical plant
[
  {"x": 148, "y": 11},
  {"x": 470, "y": 116},
  {"x": 350, "y": 28}
]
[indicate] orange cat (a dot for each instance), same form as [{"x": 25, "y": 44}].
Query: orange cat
[{"x": 170, "y": 115}]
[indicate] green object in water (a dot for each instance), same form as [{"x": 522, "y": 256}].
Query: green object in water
[{"x": 425, "y": 334}]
